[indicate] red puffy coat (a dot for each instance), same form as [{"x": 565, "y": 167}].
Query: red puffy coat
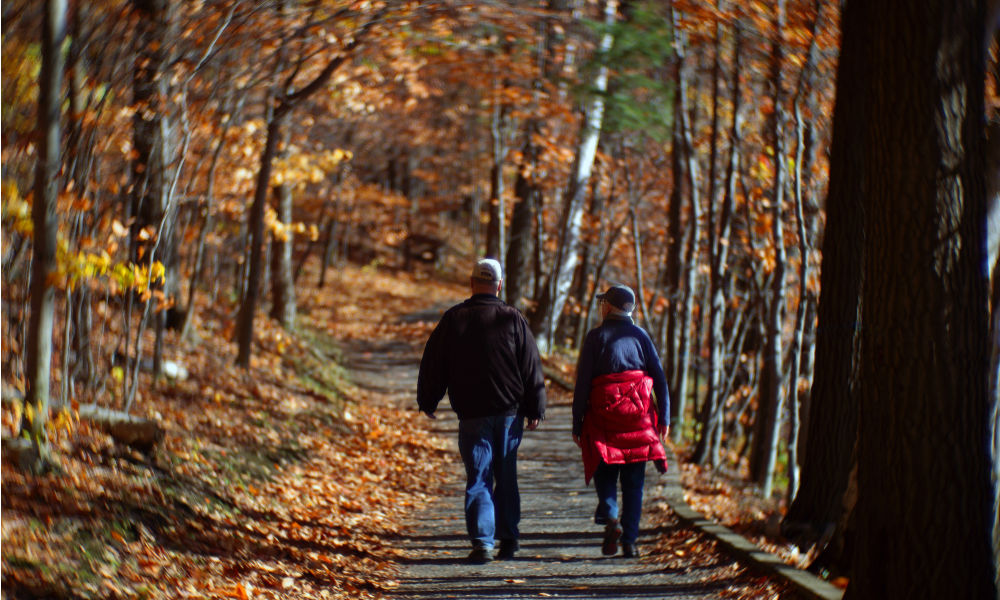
[{"x": 620, "y": 424}]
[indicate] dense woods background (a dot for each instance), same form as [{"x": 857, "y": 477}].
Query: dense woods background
[{"x": 174, "y": 171}]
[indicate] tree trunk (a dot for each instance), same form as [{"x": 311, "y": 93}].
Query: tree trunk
[
  {"x": 38, "y": 349},
  {"x": 832, "y": 423},
  {"x": 556, "y": 290},
  {"x": 804, "y": 308},
  {"x": 993, "y": 235},
  {"x": 255, "y": 227},
  {"x": 151, "y": 166},
  {"x": 924, "y": 489},
  {"x": 692, "y": 240},
  {"x": 282, "y": 273},
  {"x": 994, "y": 401},
  {"x": 208, "y": 224},
  {"x": 771, "y": 403},
  {"x": 329, "y": 249},
  {"x": 496, "y": 234},
  {"x": 519, "y": 250},
  {"x": 287, "y": 103},
  {"x": 719, "y": 247},
  {"x": 675, "y": 235}
]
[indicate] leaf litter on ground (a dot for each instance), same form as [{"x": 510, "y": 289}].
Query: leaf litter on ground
[{"x": 283, "y": 481}]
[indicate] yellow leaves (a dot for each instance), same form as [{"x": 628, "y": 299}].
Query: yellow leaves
[
  {"x": 301, "y": 168},
  {"x": 64, "y": 422},
  {"x": 129, "y": 276},
  {"x": 16, "y": 209}
]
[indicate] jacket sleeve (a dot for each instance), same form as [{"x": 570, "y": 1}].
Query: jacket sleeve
[
  {"x": 432, "y": 379},
  {"x": 584, "y": 375},
  {"x": 533, "y": 401},
  {"x": 655, "y": 370}
]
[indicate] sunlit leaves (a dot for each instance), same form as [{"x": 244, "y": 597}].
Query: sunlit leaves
[{"x": 299, "y": 168}]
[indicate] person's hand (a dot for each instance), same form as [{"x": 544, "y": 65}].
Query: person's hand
[
  {"x": 576, "y": 439},
  {"x": 532, "y": 424},
  {"x": 664, "y": 431}
]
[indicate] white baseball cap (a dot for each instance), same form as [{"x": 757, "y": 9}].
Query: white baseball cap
[{"x": 487, "y": 269}]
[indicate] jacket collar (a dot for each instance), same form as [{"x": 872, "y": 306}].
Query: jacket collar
[
  {"x": 484, "y": 299},
  {"x": 620, "y": 318}
]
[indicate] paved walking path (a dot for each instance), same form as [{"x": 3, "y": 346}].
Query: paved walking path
[{"x": 560, "y": 553}]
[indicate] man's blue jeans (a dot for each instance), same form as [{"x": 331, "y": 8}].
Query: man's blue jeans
[
  {"x": 633, "y": 476},
  {"x": 488, "y": 446}
]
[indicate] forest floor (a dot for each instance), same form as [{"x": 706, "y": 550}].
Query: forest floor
[{"x": 297, "y": 478}]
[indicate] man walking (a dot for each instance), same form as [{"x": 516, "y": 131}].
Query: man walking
[
  {"x": 615, "y": 422},
  {"x": 483, "y": 354}
]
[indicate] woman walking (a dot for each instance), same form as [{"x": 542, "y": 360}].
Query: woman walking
[{"x": 616, "y": 424}]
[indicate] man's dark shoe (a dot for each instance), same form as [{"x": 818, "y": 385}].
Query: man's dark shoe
[
  {"x": 630, "y": 550},
  {"x": 480, "y": 555},
  {"x": 507, "y": 549},
  {"x": 612, "y": 531}
]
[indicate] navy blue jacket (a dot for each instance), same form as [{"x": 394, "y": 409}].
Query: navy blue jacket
[
  {"x": 483, "y": 354},
  {"x": 617, "y": 345}
]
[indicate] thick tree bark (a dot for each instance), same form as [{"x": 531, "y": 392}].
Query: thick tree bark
[
  {"x": 994, "y": 401},
  {"x": 38, "y": 349},
  {"x": 924, "y": 489},
  {"x": 832, "y": 424}
]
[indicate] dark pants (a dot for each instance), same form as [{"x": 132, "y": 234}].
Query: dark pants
[
  {"x": 632, "y": 476},
  {"x": 488, "y": 446}
]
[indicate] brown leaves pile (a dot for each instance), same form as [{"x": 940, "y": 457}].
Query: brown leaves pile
[{"x": 267, "y": 485}]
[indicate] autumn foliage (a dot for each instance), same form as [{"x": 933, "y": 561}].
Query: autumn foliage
[{"x": 247, "y": 180}]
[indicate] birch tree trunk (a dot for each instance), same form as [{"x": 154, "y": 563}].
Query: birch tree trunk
[
  {"x": 675, "y": 236},
  {"x": 803, "y": 166},
  {"x": 496, "y": 233},
  {"x": 38, "y": 347},
  {"x": 771, "y": 404},
  {"x": 719, "y": 248},
  {"x": 283, "y": 305},
  {"x": 993, "y": 399},
  {"x": 556, "y": 289},
  {"x": 692, "y": 240}
]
